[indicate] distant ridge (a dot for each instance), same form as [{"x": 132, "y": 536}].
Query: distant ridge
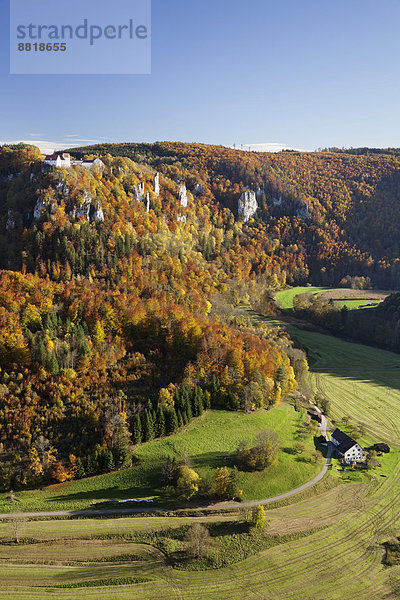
[{"x": 266, "y": 147}]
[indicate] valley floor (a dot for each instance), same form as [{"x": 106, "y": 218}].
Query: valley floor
[
  {"x": 210, "y": 441},
  {"x": 331, "y": 540}
]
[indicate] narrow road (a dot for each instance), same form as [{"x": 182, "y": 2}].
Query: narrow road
[
  {"x": 301, "y": 488},
  {"x": 323, "y": 425},
  {"x": 210, "y": 507}
]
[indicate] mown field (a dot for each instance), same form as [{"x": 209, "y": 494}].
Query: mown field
[
  {"x": 101, "y": 558},
  {"x": 210, "y": 441},
  {"x": 328, "y": 544},
  {"x": 361, "y": 383}
]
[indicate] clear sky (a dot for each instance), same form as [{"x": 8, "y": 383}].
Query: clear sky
[{"x": 304, "y": 73}]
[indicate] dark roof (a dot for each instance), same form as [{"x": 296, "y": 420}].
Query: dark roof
[
  {"x": 315, "y": 415},
  {"x": 381, "y": 447},
  {"x": 54, "y": 156},
  {"x": 345, "y": 441}
]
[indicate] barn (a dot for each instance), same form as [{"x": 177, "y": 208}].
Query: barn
[{"x": 380, "y": 447}]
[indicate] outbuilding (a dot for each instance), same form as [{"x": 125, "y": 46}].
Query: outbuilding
[{"x": 380, "y": 447}]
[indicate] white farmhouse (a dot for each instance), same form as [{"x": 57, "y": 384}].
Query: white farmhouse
[
  {"x": 59, "y": 161},
  {"x": 346, "y": 447}
]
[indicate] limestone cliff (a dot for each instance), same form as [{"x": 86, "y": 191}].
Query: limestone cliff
[
  {"x": 247, "y": 205},
  {"x": 183, "y": 195},
  {"x": 156, "y": 185}
]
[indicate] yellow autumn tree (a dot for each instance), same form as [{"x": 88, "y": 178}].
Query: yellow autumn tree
[
  {"x": 35, "y": 464},
  {"x": 98, "y": 334},
  {"x": 188, "y": 482},
  {"x": 221, "y": 483},
  {"x": 166, "y": 396}
]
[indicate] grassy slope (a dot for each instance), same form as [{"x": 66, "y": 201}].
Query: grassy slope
[
  {"x": 210, "y": 441},
  {"x": 343, "y": 559},
  {"x": 361, "y": 382}
]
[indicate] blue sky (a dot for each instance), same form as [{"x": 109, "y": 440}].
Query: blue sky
[{"x": 303, "y": 73}]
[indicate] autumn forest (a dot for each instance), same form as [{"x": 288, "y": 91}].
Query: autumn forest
[{"x": 116, "y": 304}]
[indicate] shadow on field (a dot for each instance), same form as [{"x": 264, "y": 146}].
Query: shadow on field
[
  {"x": 349, "y": 360},
  {"x": 323, "y": 448},
  {"x": 213, "y": 459},
  {"x": 302, "y": 459},
  {"x": 228, "y": 528},
  {"x": 110, "y": 493}
]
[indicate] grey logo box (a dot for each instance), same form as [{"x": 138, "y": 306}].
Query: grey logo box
[{"x": 80, "y": 38}]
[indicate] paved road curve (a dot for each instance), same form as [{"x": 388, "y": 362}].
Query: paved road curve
[
  {"x": 301, "y": 488},
  {"x": 127, "y": 511},
  {"x": 323, "y": 426}
]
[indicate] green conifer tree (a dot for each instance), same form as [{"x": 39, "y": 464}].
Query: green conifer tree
[
  {"x": 122, "y": 449},
  {"x": 80, "y": 470},
  {"x": 90, "y": 466},
  {"x": 53, "y": 365},
  {"x": 160, "y": 422},
  {"x": 180, "y": 419},
  {"x": 172, "y": 423},
  {"x": 137, "y": 430},
  {"x": 148, "y": 426},
  {"x": 109, "y": 464}
]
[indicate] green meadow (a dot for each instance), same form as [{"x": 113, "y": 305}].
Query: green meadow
[
  {"x": 209, "y": 441},
  {"x": 328, "y": 544},
  {"x": 285, "y": 298}
]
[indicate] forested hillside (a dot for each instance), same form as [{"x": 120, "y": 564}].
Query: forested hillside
[
  {"x": 115, "y": 324},
  {"x": 352, "y": 197},
  {"x": 116, "y": 296}
]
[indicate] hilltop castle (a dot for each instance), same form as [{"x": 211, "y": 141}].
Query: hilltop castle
[{"x": 64, "y": 161}]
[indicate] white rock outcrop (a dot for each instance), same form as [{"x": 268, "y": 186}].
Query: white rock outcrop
[
  {"x": 62, "y": 188},
  {"x": 138, "y": 192},
  {"x": 156, "y": 185},
  {"x": 40, "y": 206},
  {"x": 247, "y": 205},
  {"x": 303, "y": 212},
  {"x": 181, "y": 219},
  {"x": 183, "y": 195},
  {"x": 141, "y": 189},
  {"x": 199, "y": 189},
  {"x": 98, "y": 215},
  {"x": 83, "y": 209},
  {"x": 10, "y": 225},
  {"x": 296, "y": 207}
]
